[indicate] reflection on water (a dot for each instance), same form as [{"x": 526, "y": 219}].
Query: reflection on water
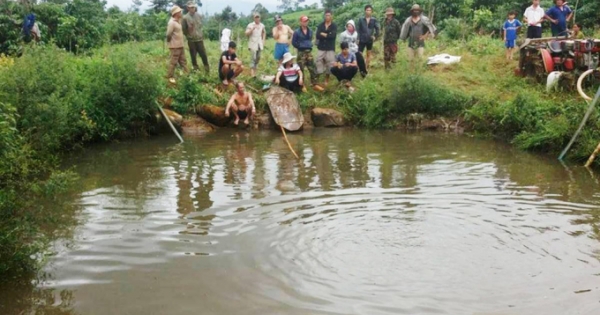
[{"x": 364, "y": 223}]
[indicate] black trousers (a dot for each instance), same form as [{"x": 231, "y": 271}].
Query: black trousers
[
  {"x": 292, "y": 86},
  {"x": 360, "y": 60},
  {"x": 345, "y": 73},
  {"x": 534, "y": 32}
]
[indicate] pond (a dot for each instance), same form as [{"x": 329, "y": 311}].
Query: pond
[{"x": 365, "y": 222}]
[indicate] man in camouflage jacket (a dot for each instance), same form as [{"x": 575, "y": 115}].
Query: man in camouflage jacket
[{"x": 391, "y": 29}]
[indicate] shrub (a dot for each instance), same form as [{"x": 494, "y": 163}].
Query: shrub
[
  {"x": 417, "y": 94},
  {"x": 189, "y": 94}
]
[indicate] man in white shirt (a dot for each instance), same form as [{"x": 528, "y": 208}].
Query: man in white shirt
[
  {"x": 533, "y": 16},
  {"x": 256, "y": 41}
]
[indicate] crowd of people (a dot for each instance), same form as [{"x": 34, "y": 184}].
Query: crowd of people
[
  {"x": 353, "y": 41},
  {"x": 344, "y": 66},
  {"x": 558, "y": 16}
]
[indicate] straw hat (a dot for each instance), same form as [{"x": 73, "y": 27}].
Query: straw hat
[
  {"x": 175, "y": 9},
  {"x": 287, "y": 57},
  {"x": 191, "y": 4},
  {"x": 416, "y": 7},
  {"x": 389, "y": 11}
]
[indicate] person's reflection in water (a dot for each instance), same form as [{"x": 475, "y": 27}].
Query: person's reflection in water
[
  {"x": 285, "y": 173},
  {"x": 235, "y": 162},
  {"x": 258, "y": 175},
  {"x": 322, "y": 163},
  {"x": 201, "y": 193},
  {"x": 184, "y": 175}
]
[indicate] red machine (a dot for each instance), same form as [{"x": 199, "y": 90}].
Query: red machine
[{"x": 540, "y": 57}]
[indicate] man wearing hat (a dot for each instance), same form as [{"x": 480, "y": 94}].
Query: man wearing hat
[
  {"x": 416, "y": 28},
  {"x": 175, "y": 42},
  {"x": 256, "y": 41},
  {"x": 391, "y": 34},
  {"x": 302, "y": 41},
  {"x": 192, "y": 28},
  {"x": 282, "y": 35}
]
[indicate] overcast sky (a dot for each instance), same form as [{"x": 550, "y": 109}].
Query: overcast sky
[{"x": 212, "y": 6}]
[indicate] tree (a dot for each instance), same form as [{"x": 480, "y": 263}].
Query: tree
[
  {"x": 159, "y": 5},
  {"x": 227, "y": 15},
  {"x": 286, "y": 5},
  {"x": 135, "y": 7},
  {"x": 260, "y": 9},
  {"x": 332, "y": 4}
]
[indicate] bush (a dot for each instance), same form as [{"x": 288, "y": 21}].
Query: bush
[
  {"x": 416, "y": 94},
  {"x": 121, "y": 91},
  {"x": 455, "y": 29},
  {"x": 64, "y": 101},
  {"x": 20, "y": 239},
  {"x": 61, "y": 101},
  {"x": 190, "y": 93}
]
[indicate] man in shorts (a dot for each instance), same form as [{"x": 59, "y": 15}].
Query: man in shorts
[
  {"x": 326, "y": 33},
  {"x": 256, "y": 41},
  {"x": 368, "y": 32},
  {"x": 241, "y": 104},
  {"x": 229, "y": 65},
  {"x": 283, "y": 37}
]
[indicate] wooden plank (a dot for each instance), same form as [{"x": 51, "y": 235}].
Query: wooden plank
[{"x": 284, "y": 108}]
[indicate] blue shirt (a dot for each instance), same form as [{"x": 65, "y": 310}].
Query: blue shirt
[
  {"x": 511, "y": 29},
  {"x": 343, "y": 60},
  {"x": 556, "y": 13},
  {"x": 302, "y": 41}
]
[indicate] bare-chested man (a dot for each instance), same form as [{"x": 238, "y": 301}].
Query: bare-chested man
[
  {"x": 242, "y": 105},
  {"x": 283, "y": 37}
]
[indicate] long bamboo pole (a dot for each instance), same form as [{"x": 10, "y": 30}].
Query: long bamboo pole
[
  {"x": 593, "y": 156},
  {"x": 288, "y": 142},
  {"x": 169, "y": 122},
  {"x": 585, "y": 118}
]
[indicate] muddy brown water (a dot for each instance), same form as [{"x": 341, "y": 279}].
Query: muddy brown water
[{"x": 364, "y": 223}]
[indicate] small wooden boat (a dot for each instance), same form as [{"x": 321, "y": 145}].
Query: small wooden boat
[{"x": 284, "y": 108}]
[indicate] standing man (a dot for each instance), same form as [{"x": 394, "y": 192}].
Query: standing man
[
  {"x": 302, "y": 41},
  {"x": 282, "y": 35},
  {"x": 391, "y": 34},
  {"x": 192, "y": 28},
  {"x": 256, "y": 41},
  {"x": 533, "y": 16},
  {"x": 326, "y": 33},
  {"x": 368, "y": 32},
  {"x": 558, "y": 16},
  {"x": 175, "y": 43},
  {"x": 416, "y": 28}
]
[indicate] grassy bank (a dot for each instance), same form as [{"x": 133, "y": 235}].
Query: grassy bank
[
  {"x": 53, "y": 102},
  {"x": 481, "y": 90}
]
